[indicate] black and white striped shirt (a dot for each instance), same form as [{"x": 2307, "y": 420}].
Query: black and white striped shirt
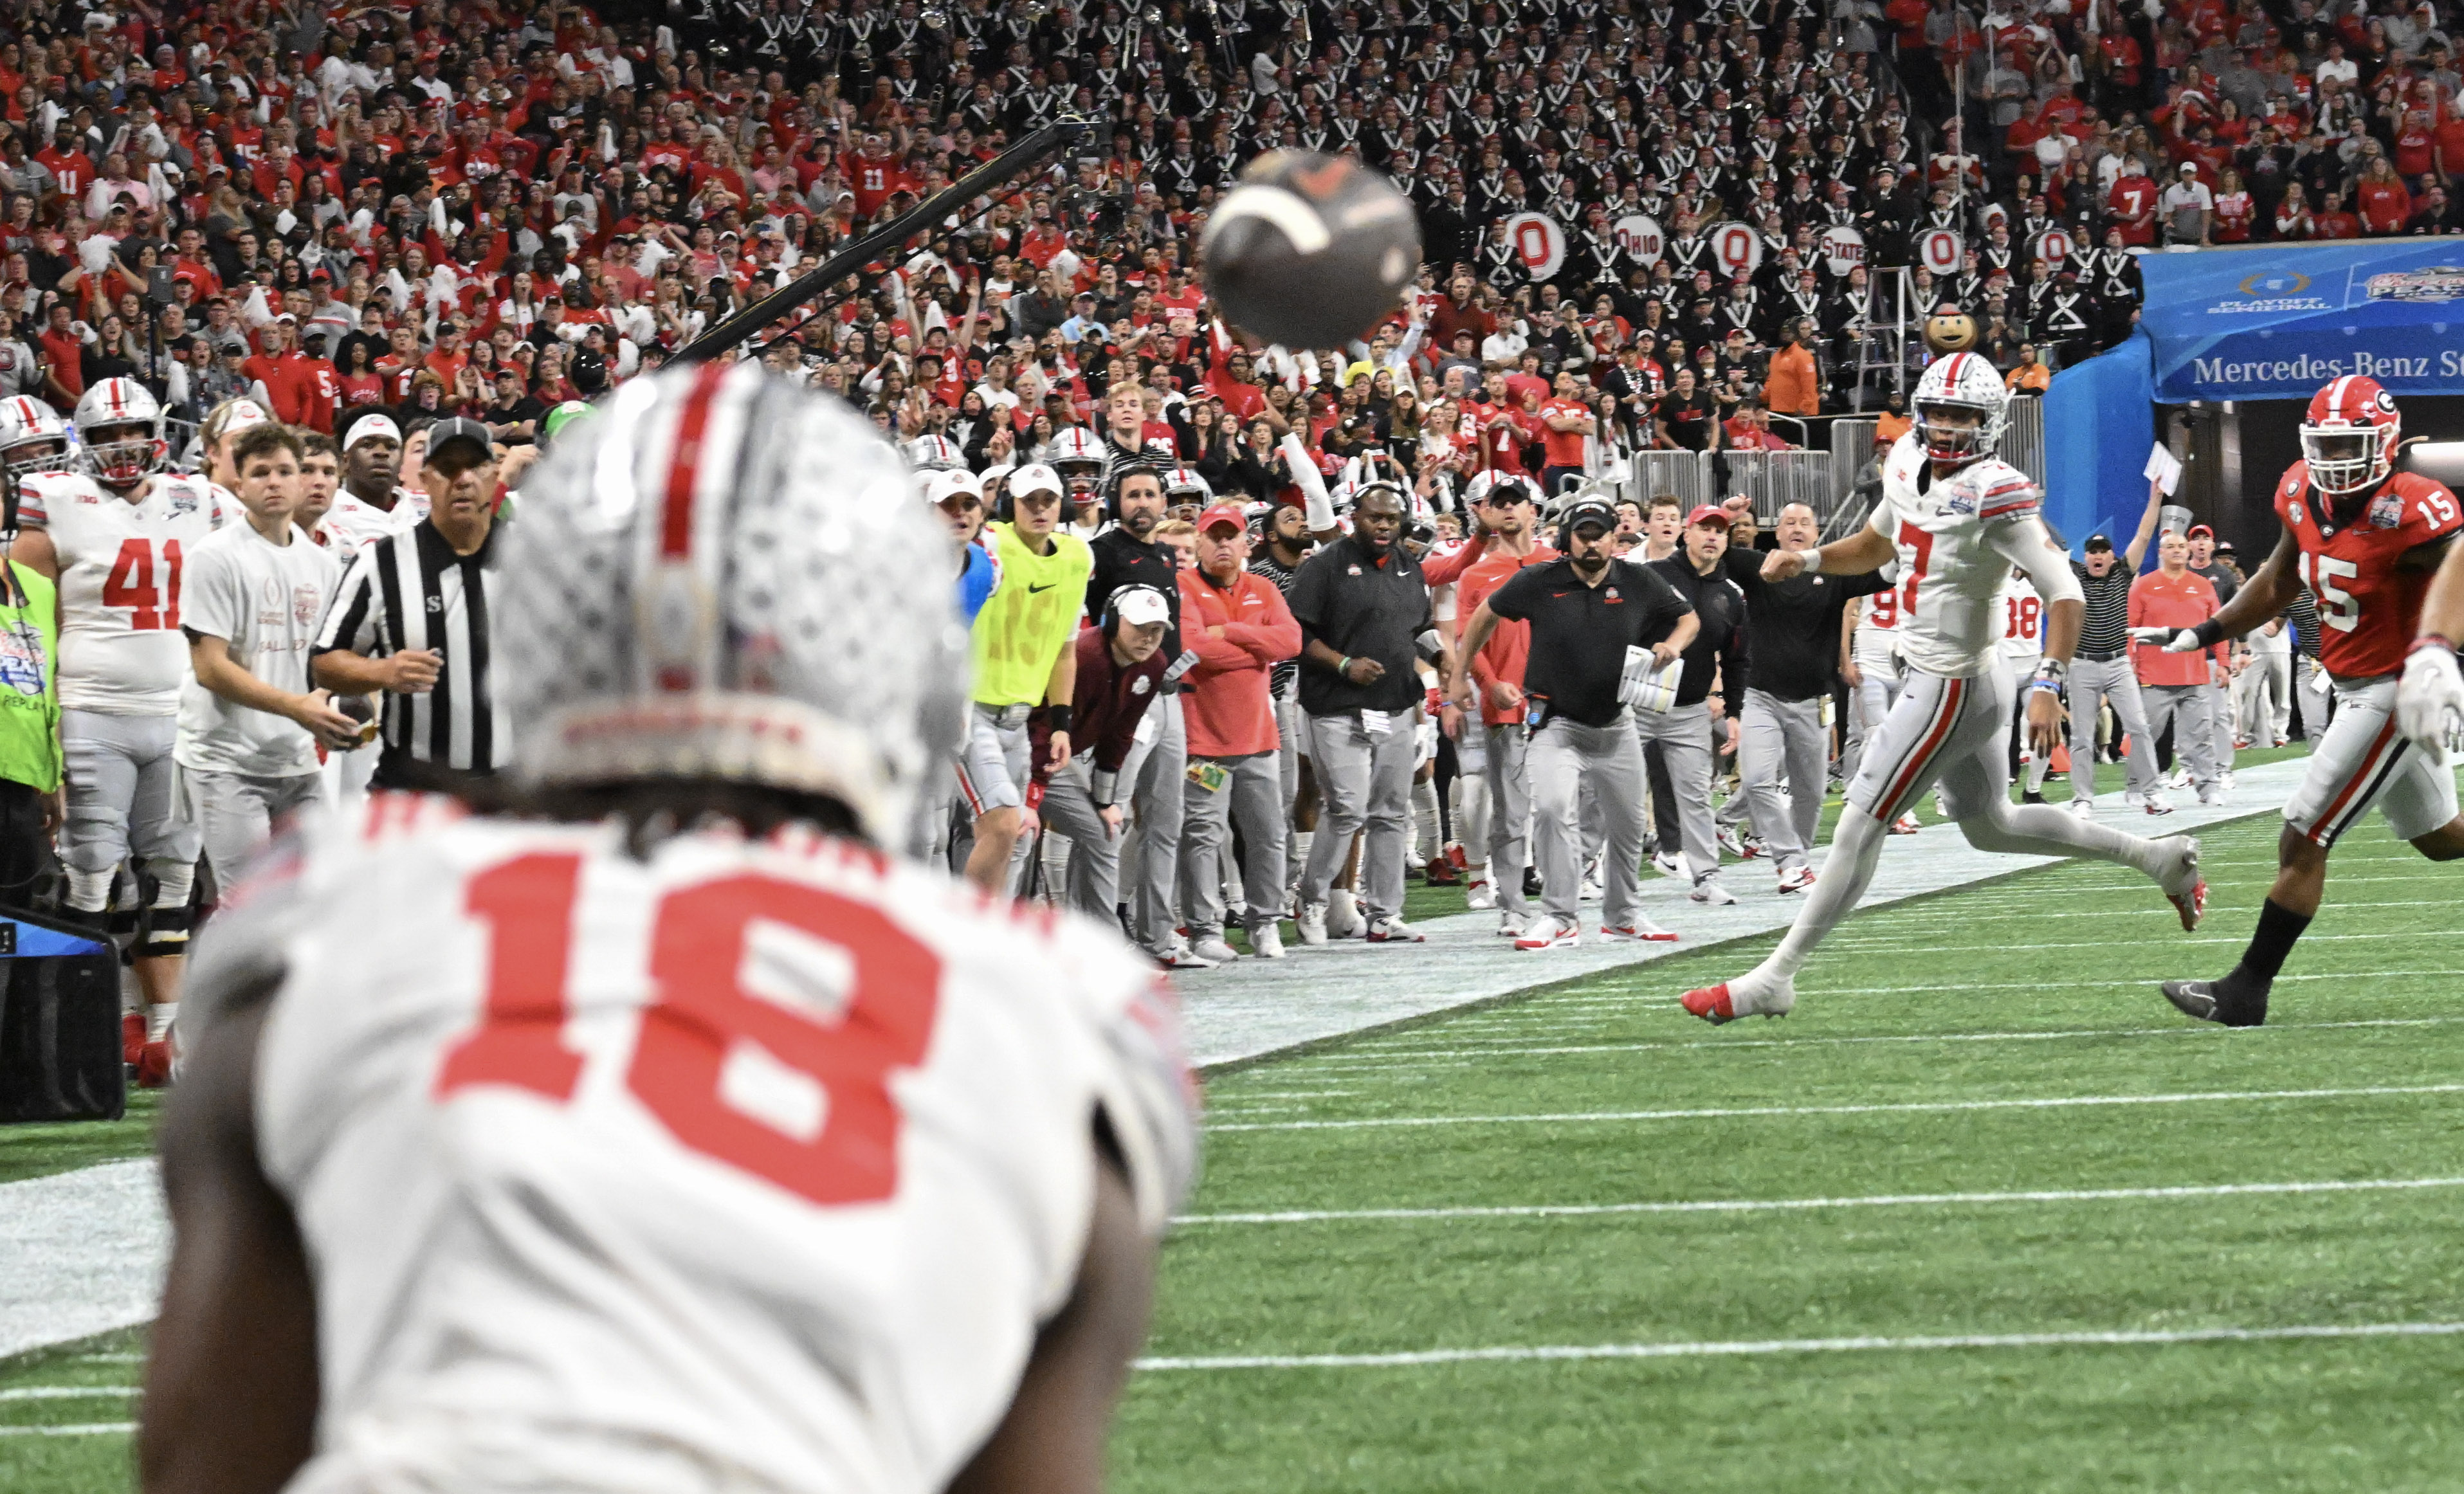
[
  {"x": 2106, "y": 630},
  {"x": 410, "y": 590}
]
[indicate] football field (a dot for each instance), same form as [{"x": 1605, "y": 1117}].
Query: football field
[{"x": 1985, "y": 1213}]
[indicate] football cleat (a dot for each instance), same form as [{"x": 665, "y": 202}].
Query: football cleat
[
  {"x": 1395, "y": 930},
  {"x": 2219, "y": 1002},
  {"x": 1796, "y": 879},
  {"x": 2194, "y": 997},
  {"x": 154, "y": 1065},
  {"x": 1906, "y": 824},
  {"x": 1710, "y": 1003},
  {"x": 1642, "y": 930},
  {"x": 1547, "y": 932},
  {"x": 1721, "y": 1003},
  {"x": 1343, "y": 919},
  {"x": 1481, "y": 896},
  {"x": 132, "y": 1038},
  {"x": 2032, "y": 796},
  {"x": 2157, "y": 804},
  {"x": 2183, "y": 888}
]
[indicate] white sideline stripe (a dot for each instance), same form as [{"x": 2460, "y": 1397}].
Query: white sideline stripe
[
  {"x": 1899, "y": 946},
  {"x": 1733, "y": 1113},
  {"x": 1968, "y": 911},
  {"x": 89, "y": 1429},
  {"x": 2113, "y": 1338},
  {"x": 1899, "y": 1201},
  {"x": 1408, "y": 1054},
  {"x": 66, "y": 1392},
  {"x": 82, "y": 1253},
  {"x": 111, "y": 1358}
]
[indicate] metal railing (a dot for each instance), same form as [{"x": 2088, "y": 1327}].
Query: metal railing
[
  {"x": 2023, "y": 439},
  {"x": 1775, "y": 480},
  {"x": 1685, "y": 476}
]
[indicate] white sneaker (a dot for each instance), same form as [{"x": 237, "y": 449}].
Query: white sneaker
[
  {"x": 1796, "y": 879},
  {"x": 1729, "y": 843},
  {"x": 1395, "y": 930},
  {"x": 1342, "y": 915},
  {"x": 1511, "y": 925},
  {"x": 2084, "y": 808},
  {"x": 2179, "y": 778},
  {"x": 1591, "y": 889},
  {"x": 2158, "y": 803},
  {"x": 1708, "y": 890},
  {"x": 2229, "y": 778},
  {"x": 1642, "y": 930},
  {"x": 1212, "y": 949},
  {"x": 1667, "y": 865},
  {"x": 2214, "y": 798},
  {"x": 1548, "y": 932},
  {"x": 1310, "y": 925},
  {"x": 1481, "y": 896},
  {"x": 1179, "y": 956},
  {"x": 2132, "y": 799},
  {"x": 1906, "y": 824},
  {"x": 1266, "y": 941}
]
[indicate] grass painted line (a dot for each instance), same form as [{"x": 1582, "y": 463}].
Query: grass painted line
[
  {"x": 111, "y": 1358},
  {"x": 1902, "y": 1200},
  {"x": 89, "y": 1429},
  {"x": 1963, "y": 914},
  {"x": 66, "y": 1392},
  {"x": 1899, "y": 946},
  {"x": 2111, "y": 1338},
  {"x": 1391, "y": 1058},
  {"x": 1905, "y": 1107}
]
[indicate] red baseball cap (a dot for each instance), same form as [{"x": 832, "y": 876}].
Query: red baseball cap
[
  {"x": 1708, "y": 513},
  {"x": 2196, "y": 530},
  {"x": 1222, "y": 514}
]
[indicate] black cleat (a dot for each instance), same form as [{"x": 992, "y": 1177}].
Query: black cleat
[
  {"x": 2031, "y": 797},
  {"x": 2225, "y": 1002}
]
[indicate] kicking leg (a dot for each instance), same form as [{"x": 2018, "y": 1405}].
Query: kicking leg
[{"x": 1769, "y": 988}]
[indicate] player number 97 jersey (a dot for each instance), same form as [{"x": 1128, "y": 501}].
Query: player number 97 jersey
[
  {"x": 121, "y": 650},
  {"x": 1950, "y": 622},
  {"x": 2368, "y": 611},
  {"x": 767, "y": 1155}
]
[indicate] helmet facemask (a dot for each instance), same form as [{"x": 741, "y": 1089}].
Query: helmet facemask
[
  {"x": 1946, "y": 441},
  {"x": 120, "y": 454},
  {"x": 2345, "y": 457},
  {"x": 35, "y": 453}
]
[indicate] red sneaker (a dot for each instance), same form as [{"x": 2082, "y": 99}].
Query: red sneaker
[
  {"x": 1711, "y": 1004},
  {"x": 154, "y": 1067},
  {"x": 2193, "y": 908},
  {"x": 132, "y": 1037}
]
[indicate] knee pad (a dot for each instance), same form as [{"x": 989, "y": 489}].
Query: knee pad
[
  {"x": 169, "y": 919},
  {"x": 89, "y": 892},
  {"x": 174, "y": 881}
]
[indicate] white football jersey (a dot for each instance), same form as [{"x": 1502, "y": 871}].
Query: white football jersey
[
  {"x": 1876, "y": 643},
  {"x": 748, "y": 1166},
  {"x": 2023, "y": 619},
  {"x": 351, "y": 524},
  {"x": 1950, "y": 568},
  {"x": 121, "y": 650}
]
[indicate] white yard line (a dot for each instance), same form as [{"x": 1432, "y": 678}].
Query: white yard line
[
  {"x": 1906, "y": 1107},
  {"x": 2111, "y": 1338},
  {"x": 89, "y": 1429},
  {"x": 65, "y": 1392},
  {"x": 1902, "y": 1201},
  {"x": 1401, "y": 1057},
  {"x": 80, "y": 1253}
]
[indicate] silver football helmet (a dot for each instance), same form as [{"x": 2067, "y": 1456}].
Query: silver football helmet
[
  {"x": 120, "y": 427},
  {"x": 719, "y": 581},
  {"x": 32, "y": 438}
]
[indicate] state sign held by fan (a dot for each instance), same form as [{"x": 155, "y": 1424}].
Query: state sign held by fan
[
  {"x": 2053, "y": 246},
  {"x": 1939, "y": 250},
  {"x": 1539, "y": 245},
  {"x": 1738, "y": 248},
  {"x": 1639, "y": 234},
  {"x": 1844, "y": 248}
]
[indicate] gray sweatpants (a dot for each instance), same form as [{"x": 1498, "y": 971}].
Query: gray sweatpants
[
  {"x": 1782, "y": 746},
  {"x": 1566, "y": 758},
  {"x": 2265, "y": 697},
  {"x": 2220, "y": 723},
  {"x": 1253, "y": 798},
  {"x": 1509, "y": 813},
  {"x": 1365, "y": 782},
  {"x": 1683, "y": 734},
  {"x": 235, "y": 813},
  {"x": 2115, "y": 680},
  {"x": 1095, "y": 878},
  {"x": 2191, "y": 710},
  {"x": 1157, "y": 803}
]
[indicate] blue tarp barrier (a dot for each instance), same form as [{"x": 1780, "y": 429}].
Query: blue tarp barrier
[
  {"x": 2276, "y": 322},
  {"x": 2099, "y": 426}
]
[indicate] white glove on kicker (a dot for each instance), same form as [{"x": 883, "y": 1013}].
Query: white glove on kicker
[{"x": 2429, "y": 702}]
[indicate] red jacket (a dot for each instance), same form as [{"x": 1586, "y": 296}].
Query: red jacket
[
  {"x": 1240, "y": 633},
  {"x": 2173, "y": 601}
]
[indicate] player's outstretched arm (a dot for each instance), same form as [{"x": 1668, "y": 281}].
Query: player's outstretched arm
[
  {"x": 2265, "y": 595},
  {"x": 2137, "y": 554},
  {"x": 1866, "y": 550},
  {"x": 231, "y": 1388},
  {"x": 1051, "y": 1441},
  {"x": 2430, "y": 699}
]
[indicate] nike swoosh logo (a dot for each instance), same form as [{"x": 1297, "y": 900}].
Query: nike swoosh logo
[{"x": 1046, "y": 586}]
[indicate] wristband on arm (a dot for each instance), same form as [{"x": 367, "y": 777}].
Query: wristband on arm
[
  {"x": 1057, "y": 716},
  {"x": 2209, "y": 633},
  {"x": 2430, "y": 641},
  {"x": 2051, "y": 673}
]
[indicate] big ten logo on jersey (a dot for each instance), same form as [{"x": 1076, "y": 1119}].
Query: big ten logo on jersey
[{"x": 777, "y": 1013}]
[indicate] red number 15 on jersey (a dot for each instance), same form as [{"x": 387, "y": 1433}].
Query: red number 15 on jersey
[{"x": 699, "y": 1014}]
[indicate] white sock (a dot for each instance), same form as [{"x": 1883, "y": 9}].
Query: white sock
[
  {"x": 1855, "y": 849},
  {"x": 2038, "y": 764},
  {"x": 157, "y": 1019}
]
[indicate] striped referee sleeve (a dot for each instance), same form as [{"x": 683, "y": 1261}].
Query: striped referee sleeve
[{"x": 356, "y": 618}]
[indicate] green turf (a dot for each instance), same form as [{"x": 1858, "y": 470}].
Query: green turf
[
  {"x": 35, "y": 1151},
  {"x": 81, "y": 1462},
  {"x": 2380, "y": 1414}
]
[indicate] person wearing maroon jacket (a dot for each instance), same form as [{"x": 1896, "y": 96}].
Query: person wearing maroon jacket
[
  {"x": 1238, "y": 626},
  {"x": 1120, "y": 671}
]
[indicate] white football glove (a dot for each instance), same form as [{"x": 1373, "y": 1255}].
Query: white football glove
[
  {"x": 2429, "y": 702},
  {"x": 2175, "y": 640},
  {"x": 2187, "y": 640}
]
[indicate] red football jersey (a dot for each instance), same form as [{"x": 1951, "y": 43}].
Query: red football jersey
[{"x": 2368, "y": 611}]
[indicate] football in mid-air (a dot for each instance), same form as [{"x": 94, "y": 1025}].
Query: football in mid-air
[
  {"x": 1950, "y": 331},
  {"x": 1309, "y": 250}
]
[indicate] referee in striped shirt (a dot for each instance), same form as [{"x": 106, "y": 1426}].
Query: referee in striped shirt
[{"x": 410, "y": 621}]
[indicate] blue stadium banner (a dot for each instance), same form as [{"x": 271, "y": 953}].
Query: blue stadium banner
[{"x": 2278, "y": 321}]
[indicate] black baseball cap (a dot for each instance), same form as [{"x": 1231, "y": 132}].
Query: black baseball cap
[
  {"x": 2096, "y": 542},
  {"x": 457, "y": 432},
  {"x": 1590, "y": 509}
]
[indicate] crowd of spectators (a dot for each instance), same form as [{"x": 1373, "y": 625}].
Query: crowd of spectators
[{"x": 485, "y": 210}]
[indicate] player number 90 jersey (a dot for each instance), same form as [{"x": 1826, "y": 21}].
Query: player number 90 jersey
[{"x": 764, "y": 1156}]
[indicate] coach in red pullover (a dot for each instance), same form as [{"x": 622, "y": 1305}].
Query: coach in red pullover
[{"x": 1236, "y": 622}]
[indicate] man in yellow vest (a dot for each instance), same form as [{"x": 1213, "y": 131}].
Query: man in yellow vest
[{"x": 1022, "y": 660}]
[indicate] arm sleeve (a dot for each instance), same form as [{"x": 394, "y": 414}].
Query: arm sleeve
[
  {"x": 2025, "y": 543},
  {"x": 356, "y": 621}
]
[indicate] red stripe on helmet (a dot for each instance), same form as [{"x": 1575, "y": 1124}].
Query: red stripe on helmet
[{"x": 684, "y": 465}]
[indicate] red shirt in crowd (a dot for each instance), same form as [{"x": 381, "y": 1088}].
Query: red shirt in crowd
[{"x": 2172, "y": 601}]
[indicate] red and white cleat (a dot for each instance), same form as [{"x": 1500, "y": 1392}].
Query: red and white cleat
[
  {"x": 2193, "y": 906},
  {"x": 1642, "y": 930},
  {"x": 132, "y": 1038},
  {"x": 1550, "y": 933},
  {"x": 1906, "y": 824},
  {"x": 2183, "y": 888},
  {"x": 1711, "y": 1003},
  {"x": 154, "y": 1065}
]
